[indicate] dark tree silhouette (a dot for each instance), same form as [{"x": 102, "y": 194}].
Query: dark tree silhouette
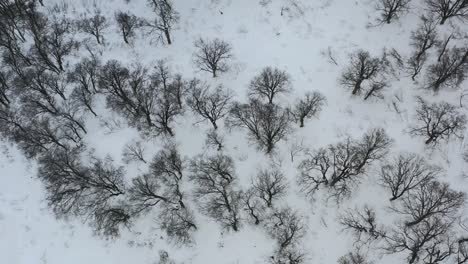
[
  {"x": 270, "y": 83},
  {"x": 95, "y": 26},
  {"x": 340, "y": 167},
  {"x": 437, "y": 121},
  {"x": 450, "y": 71},
  {"x": 128, "y": 23},
  {"x": 406, "y": 172},
  {"x": 210, "y": 105},
  {"x": 423, "y": 39},
  {"x": 307, "y": 107},
  {"x": 215, "y": 181},
  {"x": 167, "y": 17},
  {"x": 353, "y": 258},
  {"x": 363, "y": 225},
  {"x": 212, "y": 55},
  {"x": 446, "y": 9},
  {"x": 267, "y": 124},
  {"x": 392, "y": 9},
  {"x": 270, "y": 185}
]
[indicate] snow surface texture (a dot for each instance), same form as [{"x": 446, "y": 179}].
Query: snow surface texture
[{"x": 298, "y": 42}]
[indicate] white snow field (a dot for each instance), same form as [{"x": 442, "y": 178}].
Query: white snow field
[{"x": 297, "y": 36}]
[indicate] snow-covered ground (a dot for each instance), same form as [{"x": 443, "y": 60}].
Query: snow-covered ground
[{"x": 297, "y": 41}]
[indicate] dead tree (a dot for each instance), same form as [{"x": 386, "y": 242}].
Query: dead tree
[
  {"x": 267, "y": 124},
  {"x": 94, "y": 26},
  {"x": 407, "y": 172},
  {"x": 218, "y": 197},
  {"x": 450, "y": 71},
  {"x": 254, "y": 206},
  {"x": 446, "y": 9},
  {"x": 133, "y": 152},
  {"x": 433, "y": 199},
  {"x": 214, "y": 139},
  {"x": 167, "y": 17},
  {"x": 437, "y": 121},
  {"x": 353, "y": 258},
  {"x": 307, "y": 107},
  {"x": 270, "y": 185},
  {"x": 128, "y": 23},
  {"x": 212, "y": 55},
  {"x": 287, "y": 227},
  {"x": 270, "y": 83},
  {"x": 210, "y": 105},
  {"x": 340, "y": 167},
  {"x": 108, "y": 220},
  {"x": 363, "y": 68},
  {"x": 423, "y": 39},
  {"x": 145, "y": 193},
  {"x": 417, "y": 240},
  {"x": 178, "y": 223},
  {"x": 363, "y": 225},
  {"x": 392, "y": 9}
]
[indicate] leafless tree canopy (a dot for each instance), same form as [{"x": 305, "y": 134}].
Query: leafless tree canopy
[
  {"x": 150, "y": 102},
  {"x": 406, "y": 172},
  {"x": 166, "y": 18},
  {"x": 212, "y": 55},
  {"x": 340, "y": 167},
  {"x": 95, "y": 26},
  {"x": 446, "y": 9},
  {"x": 307, "y": 107},
  {"x": 363, "y": 225},
  {"x": 216, "y": 191},
  {"x": 270, "y": 185},
  {"x": 270, "y": 83},
  {"x": 364, "y": 69},
  {"x": 210, "y": 104},
  {"x": 214, "y": 139},
  {"x": 392, "y": 9},
  {"x": 288, "y": 228},
  {"x": 423, "y": 39},
  {"x": 133, "y": 152},
  {"x": 353, "y": 258},
  {"x": 437, "y": 121},
  {"x": 128, "y": 23},
  {"x": 267, "y": 124},
  {"x": 433, "y": 199},
  {"x": 449, "y": 71}
]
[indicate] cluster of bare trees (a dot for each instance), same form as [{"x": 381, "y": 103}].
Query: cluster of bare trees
[
  {"x": 340, "y": 167},
  {"x": 365, "y": 75},
  {"x": 427, "y": 213}
]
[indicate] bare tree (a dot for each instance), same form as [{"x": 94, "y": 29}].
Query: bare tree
[
  {"x": 94, "y": 26},
  {"x": 423, "y": 39},
  {"x": 213, "y": 138},
  {"x": 450, "y": 71},
  {"x": 210, "y": 105},
  {"x": 287, "y": 227},
  {"x": 133, "y": 152},
  {"x": 437, "y": 121},
  {"x": 270, "y": 185},
  {"x": 433, "y": 199},
  {"x": 353, "y": 258},
  {"x": 270, "y": 83},
  {"x": 178, "y": 223},
  {"x": 307, "y": 107},
  {"x": 418, "y": 240},
  {"x": 145, "y": 193},
  {"x": 339, "y": 167},
  {"x": 215, "y": 189},
  {"x": 446, "y": 9},
  {"x": 108, "y": 220},
  {"x": 406, "y": 172},
  {"x": 167, "y": 17},
  {"x": 363, "y": 67},
  {"x": 363, "y": 225},
  {"x": 392, "y": 9},
  {"x": 212, "y": 55},
  {"x": 267, "y": 124},
  {"x": 290, "y": 255},
  {"x": 128, "y": 23},
  {"x": 148, "y": 102},
  {"x": 254, "y": 206}
]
